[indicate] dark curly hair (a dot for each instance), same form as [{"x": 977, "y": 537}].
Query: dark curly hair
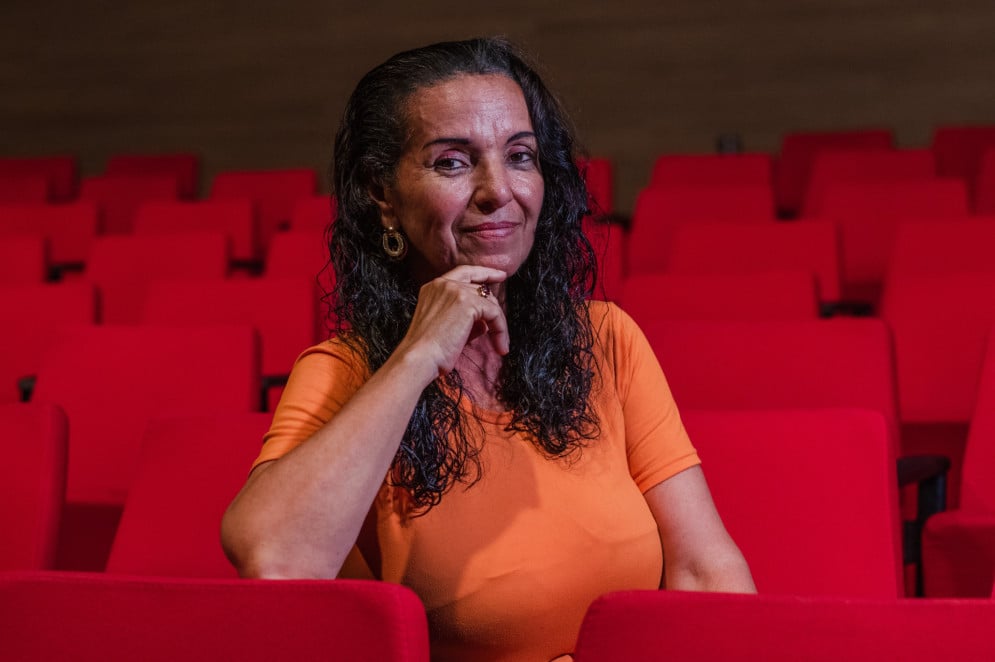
[{"x": 547, "y": 377}]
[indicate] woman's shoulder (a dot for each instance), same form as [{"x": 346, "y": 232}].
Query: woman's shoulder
[
  {"x": 337, "y": 354},
  {"x": 609, "y": 323}
]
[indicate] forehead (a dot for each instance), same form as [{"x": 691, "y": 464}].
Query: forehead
[{"x": 467, "y": 105}]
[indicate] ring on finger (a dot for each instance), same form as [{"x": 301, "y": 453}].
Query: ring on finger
[{"x": 484, "y": 290}]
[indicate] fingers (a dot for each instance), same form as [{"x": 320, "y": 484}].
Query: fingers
[{"x": 469, "y": 273}]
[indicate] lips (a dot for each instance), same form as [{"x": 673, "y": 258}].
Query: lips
[{"x": 492, "y": 229}]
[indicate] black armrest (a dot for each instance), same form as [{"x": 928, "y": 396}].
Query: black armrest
[
  {"x": 26, "y": 386},
  {"x": 929, "y": 472},
  {"x": 846, "y": 308},
  {"x": 268, "y": 382}
]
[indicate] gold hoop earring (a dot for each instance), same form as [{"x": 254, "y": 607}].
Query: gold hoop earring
[{"x": 393, "y": 244}]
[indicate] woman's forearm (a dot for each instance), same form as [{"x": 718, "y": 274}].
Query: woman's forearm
[{"x": 300, "y": 515}]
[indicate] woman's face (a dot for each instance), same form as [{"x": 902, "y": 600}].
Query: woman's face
[{"x": 467, "y": 189}]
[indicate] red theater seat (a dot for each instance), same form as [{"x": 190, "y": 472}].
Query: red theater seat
[
  {"x": 959, "y": 545},
  {"x": 799, "y": 150},
  {"x": 984, "y": 185},
  {"x": 832, "y": 167},
  {"x": 958, "y": 149},
  {"x": 301, "y": 253},
  {"x": 32, "y": 484},
  {"x": 32, "y": 319},
  {"x": 184, "y": 166},
  {"x": 608, "y": 241},
  {"x": 93, "y": 617},
  {"x": 24, "y": 189},
  {"x": 124, "y": 267},
  {"x": 937, "y": 247},
  {"x": 60, "y": 171},
  {"x": 175, "y": 533},
  {"x": 236, "y": 219},
  {"x": 23, "y": 260},
  {"x": 771, "y": 295},
  {"x": 314, "y": 212},
  {"x": 740, "y": 248},
  {"x": 674, "y": 625},
  {"x": 275, "y": 192},
  {"x": 869, "y": 214},
  {"x": 823, "y": 479},
  {"x": 659, "y": 212},
  {"x": 688, "y": 170},
  {"x": 111, "y": 380},
  {"x": 69, "y": 228},
  {"x": 118, "y": 197}
]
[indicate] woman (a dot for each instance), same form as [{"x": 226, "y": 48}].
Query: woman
[{"x": 478, "y": 430}]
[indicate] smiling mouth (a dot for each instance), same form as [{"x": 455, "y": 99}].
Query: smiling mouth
[{"x": 495, "y": 230}]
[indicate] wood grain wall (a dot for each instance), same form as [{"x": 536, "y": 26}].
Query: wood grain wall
[{"x": 261, "y": 84}]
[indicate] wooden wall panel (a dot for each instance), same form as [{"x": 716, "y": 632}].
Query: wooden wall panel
[{"x": 252, "y": 84}]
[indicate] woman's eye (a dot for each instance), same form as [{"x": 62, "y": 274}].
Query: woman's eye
[
  {"x": 448, "y": 163},
  {"x": 521, "y": 157}
]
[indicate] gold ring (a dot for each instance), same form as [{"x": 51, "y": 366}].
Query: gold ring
[{"x": 484, "y": 290}]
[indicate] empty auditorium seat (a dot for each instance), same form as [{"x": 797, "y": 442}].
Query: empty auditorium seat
[
  {"x": 23, "y": 260},
  {"x": 943, "y": 246},
  {"x": 681, "y": 625},
  {"x": 733, "y": 248},
  {"x": 658, "y": 212},
  {"x": 118, "y": 197},
  {"x": 823, "y": 479},
  {"x": 599, "y": 176},
  {"x": 234, "y": 218},
  {"x": 798, "y": 152},
  {"x": 275, "y": 192},
  {"x": 868, "y": 215},
  {"x": 283, "y": 310},
  {"x": 89, "y": 617},
  {"x": 123, "y": 267},
  {"x": 24, "y": 189},
  {"x": 958, "y": 149},
  {"x": 184, "y": 166},
  {"x": 959, "y": 544},
  {"x": 69, "y": 228},
  {"x": 301, "y": 253},
  {"x": 61, "y": 171},
  {"x": 761, "y": 295},
  {"x": 110, "y": 380},
  {"x": 841, "y": 362},
  {"x": 688, "y": 170},
  {"x": 314, "y": 212},
  {"x": 32, "y": 318},
  {"x": 174, "y": 533},
  {"x": 32, "y": 484},
  {"x": 832, "y": 167},
  {"x": 984, "y": 184}
]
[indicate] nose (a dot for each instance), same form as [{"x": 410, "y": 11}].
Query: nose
[{"x": 493, "y": 188}]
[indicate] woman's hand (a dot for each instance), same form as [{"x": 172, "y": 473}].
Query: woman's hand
[{"x": 451, "y": 310}]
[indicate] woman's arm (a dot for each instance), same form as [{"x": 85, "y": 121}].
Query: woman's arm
[
  {"x": 698, "y": 553},
  {"x": 300, "y": 515}
]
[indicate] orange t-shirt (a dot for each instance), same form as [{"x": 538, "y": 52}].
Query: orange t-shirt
[{"x": 507, "y": 567}]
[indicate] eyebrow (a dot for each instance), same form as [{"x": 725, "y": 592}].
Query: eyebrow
[{"x": 466, "y": 141}]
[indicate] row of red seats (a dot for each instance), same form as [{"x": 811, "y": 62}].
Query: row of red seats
[
  {"x": 200, "y": 620},
  {"x": 111, "y": 385}
]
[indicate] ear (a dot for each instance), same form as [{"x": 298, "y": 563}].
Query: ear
[{"x": 381, "y": 195}]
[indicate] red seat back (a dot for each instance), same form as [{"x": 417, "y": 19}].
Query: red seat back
[
  {"x": 275, "y": 193},
  {"x": 184, "y": 166},
  {"x": 89, "y": 617},
  {"x": 69, "y": 228},
  {"x": 174, "y": 533},
  {"x": 236, "y": 219},
  {"x": 739, "y": 248},
  {"x": 599, "y": 176},
  {"x": 685, "y": 170},
  {"x": 958, "y": 149},
  {"x": 24, "y": 189},
  {"x": 61, "y": 172},
  {"x": 32, "y": 484},
  {"x": 111, "y": 379},
  {"x": 649, "y": 625},
  {"x": 314, "y": 212},
  {"x": 23, "y": 260},
  {"x": 118, "y": 197},
  {"x": 776, "y": 476}
]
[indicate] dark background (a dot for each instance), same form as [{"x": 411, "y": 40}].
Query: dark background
[{"x": 260, "y": 85}]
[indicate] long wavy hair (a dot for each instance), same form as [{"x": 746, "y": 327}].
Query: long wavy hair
[{"x": 547, "y": 377}]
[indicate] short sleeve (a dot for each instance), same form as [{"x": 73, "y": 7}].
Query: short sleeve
[
  {"x": 657, "y": 445},
  {"x": 322, "y": 380}
]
